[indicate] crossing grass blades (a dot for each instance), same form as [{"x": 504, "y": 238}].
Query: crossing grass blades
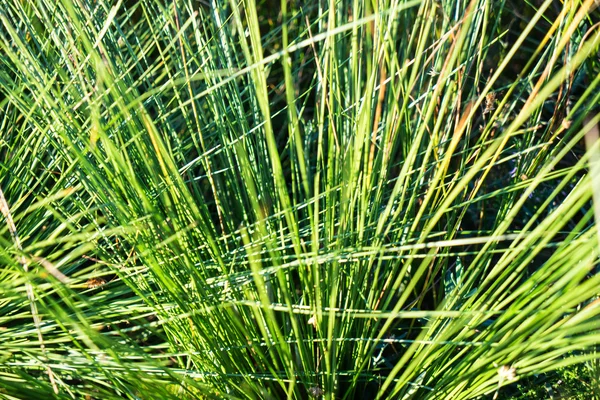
[{"x": 330, "y": 199}]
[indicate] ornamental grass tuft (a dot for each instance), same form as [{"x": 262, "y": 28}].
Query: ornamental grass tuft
[{"x": 391, "y": 199}]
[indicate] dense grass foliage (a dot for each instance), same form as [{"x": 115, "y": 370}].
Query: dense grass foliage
[{"x": 330, "y": 199}]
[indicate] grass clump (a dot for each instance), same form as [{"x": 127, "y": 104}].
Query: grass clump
[{"x": 340, "y": 199}]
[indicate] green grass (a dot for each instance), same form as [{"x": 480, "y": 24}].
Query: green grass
[
  {"x": 332, "y": 199},
  {"x": 578, "y": 381}
]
